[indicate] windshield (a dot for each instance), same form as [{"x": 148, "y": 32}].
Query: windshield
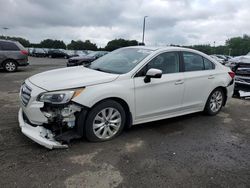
[{"x": 120, "y": 61}]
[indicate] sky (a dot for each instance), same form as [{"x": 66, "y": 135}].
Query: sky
[{"x": 181, "y": 22}]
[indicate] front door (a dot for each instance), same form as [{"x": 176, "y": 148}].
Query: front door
[{"x": 161, "y": 96}]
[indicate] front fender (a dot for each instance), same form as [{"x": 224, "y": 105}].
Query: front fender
[{"x": 123, "y": 89}]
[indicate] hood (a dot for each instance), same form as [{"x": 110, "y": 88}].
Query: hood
[{"x": 66, "y": 78}]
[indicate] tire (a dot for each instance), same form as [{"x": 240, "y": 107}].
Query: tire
[
  {"x": 215, "y": 102},
  {"x": 10, "y": 66},
  {"x": 103, "y": 124}
]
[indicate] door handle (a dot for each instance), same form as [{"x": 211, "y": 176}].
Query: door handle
[
  {"x": 178, "y": 82},
  {"x": 211, "y": 77}
]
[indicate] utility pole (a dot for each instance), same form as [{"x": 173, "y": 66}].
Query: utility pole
[
  {"x": 143, "y": 30},
  {"x": 5, "y": 29},
  {"x": 214, "y": 47},
  {"x": 230, "y": 50}
]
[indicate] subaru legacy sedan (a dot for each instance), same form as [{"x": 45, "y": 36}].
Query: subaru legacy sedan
[{"x": 126, "y": 87}]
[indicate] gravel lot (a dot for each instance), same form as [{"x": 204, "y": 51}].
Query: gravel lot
[{"x": 189, "y": 151}]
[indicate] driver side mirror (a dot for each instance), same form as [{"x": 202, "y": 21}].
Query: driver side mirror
[{"x": 152, "y": 73}]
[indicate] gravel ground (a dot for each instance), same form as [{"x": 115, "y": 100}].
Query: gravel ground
[{"x": 189, "y": 151}]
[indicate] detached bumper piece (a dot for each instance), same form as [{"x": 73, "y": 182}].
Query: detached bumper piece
[{"x": 39, "y": 134}]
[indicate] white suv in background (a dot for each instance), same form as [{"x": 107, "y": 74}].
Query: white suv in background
[{"x": 129, "y": 86}]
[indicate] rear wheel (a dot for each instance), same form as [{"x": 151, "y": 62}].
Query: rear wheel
[
  {"x": 215, "y": 102},
  {"x": 10, "y": 66},
  {"x": 105, "y": 121}
]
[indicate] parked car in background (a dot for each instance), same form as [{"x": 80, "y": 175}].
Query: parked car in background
[
  {"x": 12, "y": 55},
  {"x": 39, "y": 52},
  {"x": 85, "y": 60},
  {"x": 238, "y": 59},
  {"x": 126, "y": 87},
  {"x": 56, "y": 53},
  {"x": 30, "y": 50},
  {"x": 220, "y": 60},
  {"x": 81, "y": 52},
  {"x": 242, "y": 77},
  {"x": 76, "y": 53}
]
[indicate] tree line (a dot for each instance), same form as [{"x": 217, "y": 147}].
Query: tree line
[{"x": 234, "y": 46}]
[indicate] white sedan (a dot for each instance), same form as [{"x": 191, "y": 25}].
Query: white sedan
[{"x": 129, "y": 86}]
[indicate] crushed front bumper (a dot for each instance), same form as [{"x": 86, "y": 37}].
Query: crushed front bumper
[{"x": 38, "y": 134}]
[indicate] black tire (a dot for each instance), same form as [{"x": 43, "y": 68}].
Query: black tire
[
  {"x": 10, "y": 66},
  {"x": 89, "y": 130},
  {"x": 208, "y": 109}
]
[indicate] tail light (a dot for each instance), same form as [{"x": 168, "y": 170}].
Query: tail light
[
  {"x": 231, "y": 74},
  {"x": 24, "y": 52}
]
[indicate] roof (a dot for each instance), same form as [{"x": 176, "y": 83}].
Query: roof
[{"x": 5, "y": 40}]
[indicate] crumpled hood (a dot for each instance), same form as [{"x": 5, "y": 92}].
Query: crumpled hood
[
  {"x": 240, "y": 59},
  {"x": 66, "y": 78}
]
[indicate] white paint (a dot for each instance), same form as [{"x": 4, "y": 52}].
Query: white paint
[{"x": 170, "y": 96}]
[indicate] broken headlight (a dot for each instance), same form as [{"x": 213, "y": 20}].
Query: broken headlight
[{"x": 59, "y": 97}]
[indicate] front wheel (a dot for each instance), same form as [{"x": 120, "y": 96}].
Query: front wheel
[
  {"x": 215, "y": 102},
  {"x": 105, "y": 121}
]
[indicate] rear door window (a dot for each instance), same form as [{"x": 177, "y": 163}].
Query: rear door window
[
  {"x": 192, "y": 62},
  {"x": 9, "y": 46}
]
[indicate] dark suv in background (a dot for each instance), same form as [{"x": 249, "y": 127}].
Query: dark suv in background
[
  {"x": 12, "y": 55},
  {"x": 85, "y": 60},
  {"x": 57, "y": 54}
]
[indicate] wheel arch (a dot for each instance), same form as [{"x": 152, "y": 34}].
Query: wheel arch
[
  {"x": 224, "y": 89},
  {"x": 9, "y": 59},
  {"x": 124, "y": 104}
]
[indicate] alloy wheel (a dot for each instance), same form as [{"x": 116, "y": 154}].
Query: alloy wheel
[
  {"x": 10, "y": 66},
  {"x": 216, "y": 101},
  {"x": 107, "y": 123}
]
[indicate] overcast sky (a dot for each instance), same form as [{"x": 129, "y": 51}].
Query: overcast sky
[{"x": 181, "y": 22}]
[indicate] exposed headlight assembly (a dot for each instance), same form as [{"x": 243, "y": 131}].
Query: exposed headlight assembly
[{"x": 59, "y": 97}]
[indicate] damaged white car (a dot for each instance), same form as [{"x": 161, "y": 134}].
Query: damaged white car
[{"x": 126, "y": 87}]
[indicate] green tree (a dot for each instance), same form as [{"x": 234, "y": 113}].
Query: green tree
[
  {"x": 118, "y": 43},
  {"x": 239, "y": 45},
  {"x": 80, "y": 45},
  {"x": 23, "y": 41},
  {"x": 49, "y": 43}
]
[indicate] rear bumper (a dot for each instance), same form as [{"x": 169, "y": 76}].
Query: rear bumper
[
  {"x": 230, "y": 90},
  {"x": 23, "y": 62},
  {"x": 38, "y": 134}
]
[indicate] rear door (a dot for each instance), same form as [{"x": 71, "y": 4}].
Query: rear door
[{"x": 199, "y": 76}]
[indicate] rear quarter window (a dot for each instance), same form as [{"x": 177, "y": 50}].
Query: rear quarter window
[
  {"x": 8, "y": 46},
  {"x": 208, "y": 65}
]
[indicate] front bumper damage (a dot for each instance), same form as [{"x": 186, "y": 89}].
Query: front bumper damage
[
  {"x": 50, "y": 125},
  {"x": 39, "y": 134}
]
